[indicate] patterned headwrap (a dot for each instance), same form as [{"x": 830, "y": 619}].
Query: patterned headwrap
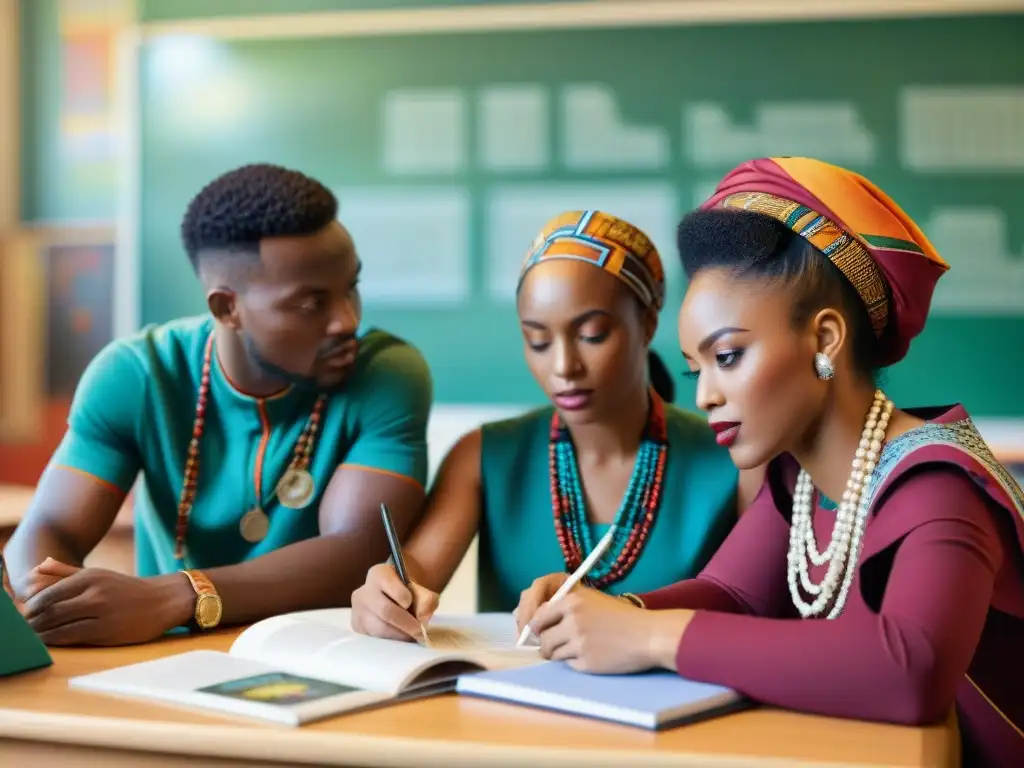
[
  {"x": 879, "y": 249},
  {"x": 607, "y": 242}
]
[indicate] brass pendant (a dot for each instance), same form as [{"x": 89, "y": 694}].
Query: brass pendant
[
  {"x": 296, "y": 488},
  {"x": 254, "y": 525}
]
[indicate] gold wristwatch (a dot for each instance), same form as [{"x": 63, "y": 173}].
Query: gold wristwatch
[{"x": 208, "y": 604}]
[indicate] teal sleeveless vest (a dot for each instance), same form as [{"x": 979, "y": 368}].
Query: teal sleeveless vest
[{"x": 517, "y": 531}]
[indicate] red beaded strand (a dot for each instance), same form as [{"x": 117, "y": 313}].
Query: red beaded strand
[
  {"x": 188, "y": 486},
  {"x": 638, "y": 538},
  {"x": 655, "y": 431},
  {"x": 300, "y": 455},
  {"x": 307, "y": 440},
  {"x": 560, "y": 504}
]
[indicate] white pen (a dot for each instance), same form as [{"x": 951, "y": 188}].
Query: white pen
[{"x": 578, "y": 575}]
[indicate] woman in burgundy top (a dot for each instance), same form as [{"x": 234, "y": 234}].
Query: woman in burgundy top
[{"x": 904, "y": 595}]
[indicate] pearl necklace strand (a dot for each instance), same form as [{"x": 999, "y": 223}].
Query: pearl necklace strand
[{"x": 851, "y": 518}]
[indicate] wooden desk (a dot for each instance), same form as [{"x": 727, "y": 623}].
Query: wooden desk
[{"x": 43, "y": 722}]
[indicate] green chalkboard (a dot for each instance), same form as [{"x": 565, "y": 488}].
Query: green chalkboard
[{"x": 448, "y": 151}]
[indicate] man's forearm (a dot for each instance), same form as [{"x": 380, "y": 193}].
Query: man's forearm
[
  {"x": 30, "y": 545},
  {"x": 317, "y": 573},
  {"x": 70, "y": 514}
]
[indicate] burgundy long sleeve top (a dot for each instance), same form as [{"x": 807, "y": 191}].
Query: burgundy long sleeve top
[{"x": 934, "y": 610}]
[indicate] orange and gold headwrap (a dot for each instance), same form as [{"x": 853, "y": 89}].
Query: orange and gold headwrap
[
  {"x": 607, "y": 242},
  {"x": 879, "y": 249}
]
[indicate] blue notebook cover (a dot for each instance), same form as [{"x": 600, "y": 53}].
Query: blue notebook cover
[{"x": 654, "y": 700}]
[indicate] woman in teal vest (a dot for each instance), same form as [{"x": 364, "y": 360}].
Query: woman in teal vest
[{"x": 542, "y": 489}]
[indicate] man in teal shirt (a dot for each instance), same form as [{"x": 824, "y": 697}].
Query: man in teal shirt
[{"x": 267, "y": 434}]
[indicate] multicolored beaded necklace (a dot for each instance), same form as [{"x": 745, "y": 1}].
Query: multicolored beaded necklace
[
  {"x": 639, "y": 507},
  {"x": 296, "y": 474}
]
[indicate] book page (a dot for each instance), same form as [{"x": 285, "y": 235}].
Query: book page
[
  {"x": 447, "y": 639},
  {"x": 322, "y": 645},
  {"x": 328, "y": 651},
  {"x": 481, "y": 634}
]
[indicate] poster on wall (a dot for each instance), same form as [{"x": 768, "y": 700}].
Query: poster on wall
[
  {"x": 88, "y": 66},
  {"x": 79, "y": 315}
]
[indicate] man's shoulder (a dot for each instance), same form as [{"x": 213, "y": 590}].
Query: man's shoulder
[
  {"x": 125, "y": 366},
  {"x": 391, "y": 373},
  {"x": 383, "y": 355},
  {"x": 154, "y": 347}
]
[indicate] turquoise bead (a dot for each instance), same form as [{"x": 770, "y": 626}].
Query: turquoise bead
[{"x": 630, "y": 512}]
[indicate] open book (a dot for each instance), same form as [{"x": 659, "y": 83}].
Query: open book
[{"x": 300, "y": 667}]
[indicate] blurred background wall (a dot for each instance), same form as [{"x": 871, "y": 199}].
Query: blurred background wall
[{"x": 452, "y": 129}]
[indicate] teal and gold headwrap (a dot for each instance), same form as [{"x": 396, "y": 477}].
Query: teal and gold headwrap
[{"x": 607, "y": 242}]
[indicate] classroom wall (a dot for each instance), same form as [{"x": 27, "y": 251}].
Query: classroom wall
[
  {"x": 70, "y": 149},
  {"x": 58, "y": 193},
  {"x": 67, "y": 191},
  {"x": 16, "y": 389},
  {"x": 9, "y": 121}
]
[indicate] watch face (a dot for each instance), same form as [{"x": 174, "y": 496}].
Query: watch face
[{"x": 208, "y": 611}]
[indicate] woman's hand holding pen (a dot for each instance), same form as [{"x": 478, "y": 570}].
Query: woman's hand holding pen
[
  {"x": 597, "y": 633},
  {"x": 533, "y": 597},
  {"x": 381, "y": 607},
  {"x": 539, "y": 592}
]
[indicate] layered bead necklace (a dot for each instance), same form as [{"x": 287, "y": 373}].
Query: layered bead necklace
[
  {"x": 639, "y": 507},
  {"x": 295, "y": 489},
  {"x": 843, "y": 549}
]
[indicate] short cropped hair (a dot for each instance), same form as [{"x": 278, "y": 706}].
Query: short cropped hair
[{"x": 237, "y": 210}]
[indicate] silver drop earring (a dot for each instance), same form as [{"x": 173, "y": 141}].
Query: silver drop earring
[{"x": 823, "y": 366}]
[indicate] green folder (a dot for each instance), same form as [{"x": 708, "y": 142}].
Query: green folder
[{"x": 20, "y": 647}]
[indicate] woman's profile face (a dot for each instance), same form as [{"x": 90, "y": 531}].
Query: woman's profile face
[
  {"x": 584, "y": 337},
  {"x": 756, "y": 377}
]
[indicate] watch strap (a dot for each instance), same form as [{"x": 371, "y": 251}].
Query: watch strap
[
  {"x": 201, "y": 584},
  {"x": 203, "y": 588}
]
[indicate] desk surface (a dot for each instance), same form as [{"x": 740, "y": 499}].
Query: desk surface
[{"x": 39, "y": 707}]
